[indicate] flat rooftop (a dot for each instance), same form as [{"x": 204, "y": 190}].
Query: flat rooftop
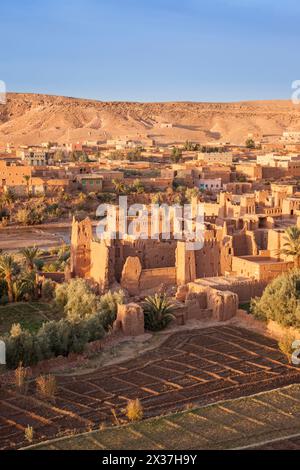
[
  {"x": 261, "y": 259},
  {"x": 225, "y": 281}
]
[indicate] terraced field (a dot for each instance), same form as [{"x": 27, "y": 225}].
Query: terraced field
[
  {"x": 235, "y": 424},
  {"x": 200, "y": 367}
]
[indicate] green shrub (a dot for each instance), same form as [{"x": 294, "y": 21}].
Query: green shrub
[
  {"x": 108, "y": 306},
  {"x": 280, "y": 301},
  {"x": 48, "y": 289},
  {"x": 76, "y": 299},
  {"x": 60, "y": 338},
  {"x": 94, "y": 327},
  {"x": 286, "y": 345},
  {"x": 48, "y": 340},
  {"x": 20, "y": 348},
  {"x": 55, "y": 338},
  {"x": 29, "y": 216}
]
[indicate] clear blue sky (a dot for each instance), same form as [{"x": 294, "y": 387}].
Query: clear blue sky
[{"x": 151, "y": 50}]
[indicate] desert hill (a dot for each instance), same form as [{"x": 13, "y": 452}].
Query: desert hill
[{"x": 35, "y": 118}]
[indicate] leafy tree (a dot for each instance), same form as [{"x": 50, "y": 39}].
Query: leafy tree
[
  {"x": 108, "y": 306},
  {"x": 134, "y": 155},
  {"x": 48, "y": 290},
  {"x": 191, "y": 147},
  {"x": 291, "y": 246},
  {"x": 191, "y": 193},
  {"x": 76, "y": 299},
  {"x": 20, "y": 348},
  {"x": 158, "y": 312},
  {"x": 30, "y": 216},
  {"x": 78, "y": 156},
  {"x": 250, "y": 144},
  {"x": 280, "y": 301},
  {"x": 116, "y": 155},
  {"x": 286, "y": 345},
  {"x": 176, "y": 155}
]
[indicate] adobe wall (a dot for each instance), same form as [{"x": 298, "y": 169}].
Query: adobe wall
[
  {"x": 136, "y": 280},
  {"x": 131, "y": 274},
  {"x": 224, "y": 304},
  {"x": 261, "y": 239},
  {"x": 152, "y": 253},
  {"x": 185, "y": 264},
  {"x": 151, "y": 278},
  {"x": 243, "y": 287},
  {"x": 260, "y": 270},
  {"x": 101, "y": 267},
  {"x": 211, "y": 209},
  {"x": 269, "y": 272},
  {"x": 214, "y": 259},
  {"x": 207, "y": 301},
  {"x": 247, "y": 289},
  {"x": 244, "y": 243},
  {"x": 14, "y": 173},
  {"x": 273, "y": 172},
  {"x": 130, "y": 320}
]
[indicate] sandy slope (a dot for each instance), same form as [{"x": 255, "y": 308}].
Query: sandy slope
[{"x": 29, "y": 118}]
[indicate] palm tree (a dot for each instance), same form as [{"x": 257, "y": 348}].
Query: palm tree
[
  {"x": 30, "y": 255},
  {"x": 158, "y": 312},
  {"x": 291, "y": 247},
  {"x": 6, "y": 270},
  {"x": 120, "y": 188}
]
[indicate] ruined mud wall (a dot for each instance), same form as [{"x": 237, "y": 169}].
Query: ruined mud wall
[
  {"x": 102, "y": 264},
  {"x": 152, "y": 254},
  {"x": 153, "y": 278},
  {"x": 245, "y": 289}
]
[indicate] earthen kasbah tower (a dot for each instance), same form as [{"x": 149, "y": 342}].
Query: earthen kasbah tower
[{"x": 81, "y": 248}]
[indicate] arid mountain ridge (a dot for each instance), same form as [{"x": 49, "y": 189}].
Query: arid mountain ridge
[{"x": 36, "y": 118}]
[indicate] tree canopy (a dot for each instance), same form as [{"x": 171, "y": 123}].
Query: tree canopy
[{"x": 280, "y": 301}]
